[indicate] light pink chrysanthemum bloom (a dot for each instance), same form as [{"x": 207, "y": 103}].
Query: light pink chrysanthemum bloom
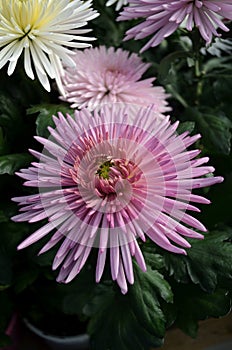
[
  {"x": 110, "y": 75},
  {"x": 162, "y": 18},
  {"x": 110, "y": 179},
  {"x": 119, "y": 3}
]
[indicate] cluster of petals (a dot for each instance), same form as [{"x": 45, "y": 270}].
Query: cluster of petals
[
  {"x": 119, "y": 3},
  {"x": 162, "y": 18},
  {"x": 109, "y": 180},
  {"x": 43, "y": 30},
  {"x": 108, "y": 75}
]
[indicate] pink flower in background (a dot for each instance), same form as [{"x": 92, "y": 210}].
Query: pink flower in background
[
  {"x": 162, "y": 18},
  {"x": 106, "y": 180},
  {"x": 110, "y": 75}
]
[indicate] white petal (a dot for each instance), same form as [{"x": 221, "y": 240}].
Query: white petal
[
  {"x": 6, "y": 53},
  {"x": 27, "y": 63}
]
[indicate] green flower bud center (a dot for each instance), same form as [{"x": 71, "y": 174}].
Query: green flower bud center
[{"x": 104, "y": 169}]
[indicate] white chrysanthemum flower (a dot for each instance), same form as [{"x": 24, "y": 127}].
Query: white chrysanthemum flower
[
  {"x": 43, "y": 29},
  {"x": 119, "y": 3}
]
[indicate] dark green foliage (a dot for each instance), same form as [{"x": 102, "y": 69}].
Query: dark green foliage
[
  {"x": 136, "y": 318},
  {"x": 45, "y": 116},
  {"x": 13, "y": 162},
  {"x": 214, "y": 127},
  {"x": 213, "y": 254},
  {"x": 186, "y": 126},
  {"x": 175, "y": 290},
  {"x": 192, "y": 305}
]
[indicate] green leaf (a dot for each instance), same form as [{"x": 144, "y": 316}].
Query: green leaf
[
  {"x": 217, "y": 90},
  {"x": 107, "y": 31},
  {"x": 175, "y": 91},
  {"x": 25, "y": 278},
  {"x": 192, "y": 305},
  {"x": 9, "y": 112},
  {"x": 11, "y": 235},
  {"x": 151, "y": 280},
  {"x": 128, "y": 329},
  {"x": 81, "y": 291},
  {"x": 217, "y": 131},
  {"x": 12, "y": 162},
  {"x": 208, "y": 261},
  {"x": 3, "y": 143},
  {"x": 45, "y": 117},
  {"x": 136, "y": 317},
  {"x": 218, "y": 63},
  {"x": 13, "y": 124},
  {"x": 186, "y": 126},
  {"x": 3, "y": 217},
  {"x": 215, "y": 128},
  {"x": 154, "y": 260},
  {"x": 219, "y": 47},
  {"x": 166, "y": 67}
]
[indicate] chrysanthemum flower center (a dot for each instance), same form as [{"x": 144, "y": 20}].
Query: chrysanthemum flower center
[
  {"x": 31, "y": 17},
  {"x": 104, "y": 169},
  {"x": 111, "y": 175},
  {"x": 114, "y": 80}
]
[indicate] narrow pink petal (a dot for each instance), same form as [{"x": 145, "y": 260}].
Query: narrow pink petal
[
  {"x": 156, "y": 236},
  {"x": 79, "y": 264},
  {"x": 100, "y": 264},
  {"x": 37, "y": 235},
  {"x": 50, "y": 244},
  {"x": 127, "y": 263},
  {"x": 114, "y": 255},
  {"x": 121, "y": 279},
  {"x": 139, "y": 257}
]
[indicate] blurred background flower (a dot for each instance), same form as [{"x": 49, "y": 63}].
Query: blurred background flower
[
  {"x": 108, "y": 75},
  {"x": 161, "y": 19}
]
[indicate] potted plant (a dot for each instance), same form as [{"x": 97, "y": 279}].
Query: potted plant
[{"x": 106, "y": 224}]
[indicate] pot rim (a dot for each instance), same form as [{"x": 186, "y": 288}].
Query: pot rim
[{"x": 60, "y": 338}]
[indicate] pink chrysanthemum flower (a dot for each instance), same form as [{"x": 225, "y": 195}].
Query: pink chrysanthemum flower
[
  {"x": 162, "y": 18},
  {"x": 108, "y": 179},
  {"x": 110, "y": 75}
]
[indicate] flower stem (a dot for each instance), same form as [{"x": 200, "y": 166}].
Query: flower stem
[{"x": 198, "y": 73}]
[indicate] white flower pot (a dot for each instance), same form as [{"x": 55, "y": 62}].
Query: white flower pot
[{"x": 78, "y": 342}]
